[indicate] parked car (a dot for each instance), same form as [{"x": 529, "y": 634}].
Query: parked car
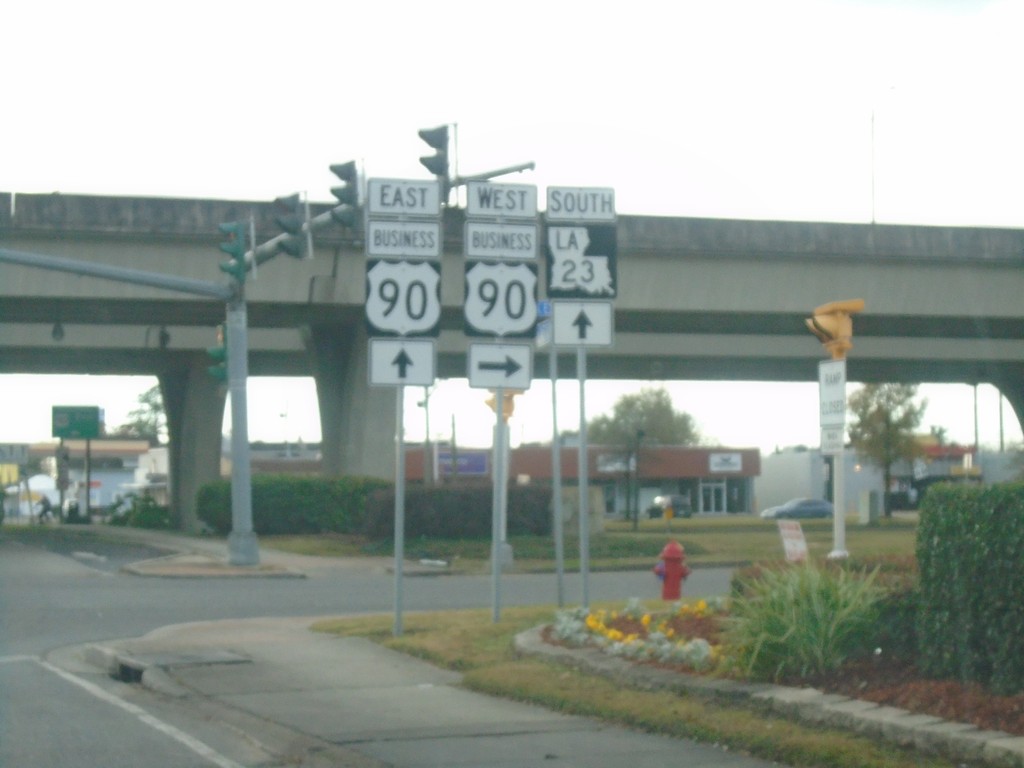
[
  {"x": 680, "y": 506},
  {"x": 798, "y": 508}
]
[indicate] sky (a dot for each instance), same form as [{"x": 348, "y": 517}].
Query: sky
[{"x": 895, "y": 112}]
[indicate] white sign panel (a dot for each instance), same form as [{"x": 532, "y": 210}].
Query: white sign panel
[
  {"x": 500, "y": 365},
  {"x": 582, "y": 323},
  {"x": 725, "y": 462},
  {"x": 403, "y": 297},
  {"x": 581, "y": 262},
  {"x": 832, "y": 440},
  {"x": 501, "y": 298},
  {"x": 486, "y": 240},
  {"x": 832, "y": 393},
  {"x": 396, "y": 362},
  {"x": 403, "y": 197},
  {"x": 417, "y": 239},
  {"x": 497, "y": 201},
  {"x": 793, "y": 542},
  {"x": 580, "y": 204}
]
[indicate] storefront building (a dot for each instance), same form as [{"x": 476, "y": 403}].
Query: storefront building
[{"x": 712, "y": 481}]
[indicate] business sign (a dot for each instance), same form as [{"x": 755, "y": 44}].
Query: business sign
[
  {"x": 417, "y": 239},
  {"x": 494, "y": 240},
  {"x": 725, "y": 462},
  {"x": 13, "y": 453},
  {"x": 832, "y": 393},
  {"x": 464, "y": 463},
  {"x": 77, "y": 421},
  {"x": 403, "y": 297}
]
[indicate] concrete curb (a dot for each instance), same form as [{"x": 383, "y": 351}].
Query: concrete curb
[
  {"x": 199, "y": 566},
  {"x": 931, "y": 735}
]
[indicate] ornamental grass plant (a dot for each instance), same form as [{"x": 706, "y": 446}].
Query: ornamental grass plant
[{"x": 801, "y": 621}]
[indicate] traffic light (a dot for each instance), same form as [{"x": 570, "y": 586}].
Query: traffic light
[
  {"x": 437, "y": 139},
  {"x": 234, "y": 246},
  {"x": 290, "y": 216},
  {"x": 219, "y": 355},
  {"x": 347, "y": 193},
  {"x": 508, "y": 405},
  {"x": 833, "y": 325}
]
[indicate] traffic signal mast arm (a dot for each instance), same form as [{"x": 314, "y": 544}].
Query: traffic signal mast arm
[{"x": 832, "y": 324}]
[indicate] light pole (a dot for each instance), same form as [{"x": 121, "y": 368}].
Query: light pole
[{"x": 636, "y": 478}]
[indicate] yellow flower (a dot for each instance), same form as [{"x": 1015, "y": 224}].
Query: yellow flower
[{"x": 646, "y": 620}]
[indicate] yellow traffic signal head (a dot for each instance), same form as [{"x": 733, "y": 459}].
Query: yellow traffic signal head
[
  {"x": 509, "y": 404},
  {"x": 833, "y": 325}
]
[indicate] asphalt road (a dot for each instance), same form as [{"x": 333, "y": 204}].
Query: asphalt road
[{"x": 61, "y": 591}]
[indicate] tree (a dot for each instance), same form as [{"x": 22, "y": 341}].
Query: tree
[
  {"x": 882, "y": 432},
  {"x": 649, "y": 412},
  {"x": 146, "y": 422},
  {"x": 647, "y": 418}
]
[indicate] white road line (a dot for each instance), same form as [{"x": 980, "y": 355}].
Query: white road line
[
  {"x": 178, "y": 735},
  {"x": 16, "y": 659}
]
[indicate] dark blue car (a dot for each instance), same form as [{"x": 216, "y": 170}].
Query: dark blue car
[{"x": 799, "y": 508}]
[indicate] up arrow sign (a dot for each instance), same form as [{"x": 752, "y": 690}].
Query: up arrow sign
[
  {"x": 402, "y": 361},
  {"x": 581, "y": 323}
]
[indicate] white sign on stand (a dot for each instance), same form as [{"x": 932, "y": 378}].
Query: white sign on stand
[
  {"x": 397, "y": 362},
  {"x": 500, "y": 365},
  {"x": 582, "y": 323},
  {"x": 832, "y": 393},
  {"x": 832, "y": 440}
]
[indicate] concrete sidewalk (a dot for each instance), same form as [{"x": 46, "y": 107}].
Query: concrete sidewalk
[
  {"x": 195, "y": 557},
  {"x": 315, "y": 699}
]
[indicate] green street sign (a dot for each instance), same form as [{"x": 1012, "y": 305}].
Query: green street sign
[{"x": 83, "y": 422}]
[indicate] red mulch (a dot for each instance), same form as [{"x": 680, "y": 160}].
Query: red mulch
[{"x": 884, "y": 681}]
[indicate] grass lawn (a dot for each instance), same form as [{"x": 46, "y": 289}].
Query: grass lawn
[
  {"x": 707, "y": 541},
  {"x": 470, "y": 642}
]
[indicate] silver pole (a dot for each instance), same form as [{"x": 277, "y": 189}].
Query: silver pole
[
  {"x": 584, "y": 512},
  {"x": 556, "y": 479},
  {"x": 243, "y": 548},
  {"x": 497, "y": 473},
  {"x": 399, "y": 504}
]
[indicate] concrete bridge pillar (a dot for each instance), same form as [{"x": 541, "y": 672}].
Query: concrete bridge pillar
[
  {"x": 1012, "y": 388},
  {"x": 357, "y": 421},
  {"x": 194, "y": 403}
]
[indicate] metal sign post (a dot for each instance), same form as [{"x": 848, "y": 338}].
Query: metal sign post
[
  {"x": 403, "y": 298},
  {"x": 832, "y": 410},
  {"x": 582, "y": 467},
  {"x": 582, "y": 279},
  {"x": 399, "y": 505}
]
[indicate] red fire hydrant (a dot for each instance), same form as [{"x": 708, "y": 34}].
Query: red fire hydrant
[{"x": 672, "y": 570}]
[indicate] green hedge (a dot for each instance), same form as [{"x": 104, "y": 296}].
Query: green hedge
[
  {"x": 290, "y": 504},
  {"x": 970, "y": 551},
  {"x": 458, "y": 512}
]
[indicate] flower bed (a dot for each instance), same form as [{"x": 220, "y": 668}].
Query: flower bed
[{"x": 688, "y": 635}]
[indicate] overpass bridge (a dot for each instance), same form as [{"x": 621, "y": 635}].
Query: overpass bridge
[{"x": 698, "y": 299}]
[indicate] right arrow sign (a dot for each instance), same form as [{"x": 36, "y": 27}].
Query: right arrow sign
[
  {"x": 582, "y": 323},
  {"x": 500, "y": 365}
]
